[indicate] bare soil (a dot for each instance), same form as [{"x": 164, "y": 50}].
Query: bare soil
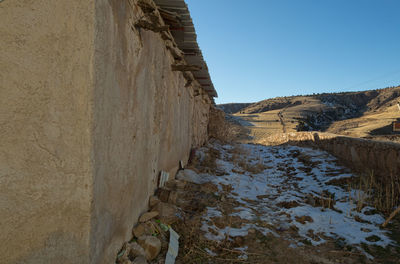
[{"x": 256, "y": 246}]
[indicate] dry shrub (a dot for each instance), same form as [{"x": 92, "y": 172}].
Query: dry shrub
[
  {"x": 239, "y": 158},
  {"x": 252, "y": 168},
  {"x": 326, "y": 200},
  {"x": 237, "y": 153},
  {"x": 209, "y": 160},
  {"x": 194, "y": 245},
  {"x": 383, "y": 194}
]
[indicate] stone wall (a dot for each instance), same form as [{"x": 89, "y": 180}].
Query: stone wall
[
  {"x": 381, "y": 157},
  {"x": 217, "y": 126},
  {"x": 146, "y": 120},
  {"x": 90, "y": 114}
]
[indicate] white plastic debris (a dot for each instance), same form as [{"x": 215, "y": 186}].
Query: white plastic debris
[
  {"x": 173, "y": 247},
  {"x": 164, "y": 177}
]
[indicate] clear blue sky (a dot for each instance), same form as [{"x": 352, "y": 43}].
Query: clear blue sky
[{"x": 259, "y": 49}]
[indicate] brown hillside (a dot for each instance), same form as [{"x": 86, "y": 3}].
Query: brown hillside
[{"x": 360, "y": 114}]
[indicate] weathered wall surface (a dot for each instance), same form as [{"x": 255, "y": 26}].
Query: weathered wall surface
[
  {"x": 381, "y": 157},
  {"x": 217, "y": 126},
  {"x": 90, "y": 112},
  {"x": 145, "y": 121},
  {"x": 45, "y": 95}
]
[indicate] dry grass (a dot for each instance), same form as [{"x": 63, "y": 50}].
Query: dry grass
[
  {"x": 383, "y": 194},
  {"x": 239, "y": 158},
  {"x": 195, "y": 246},
  {"x": 210, "y": 159}
]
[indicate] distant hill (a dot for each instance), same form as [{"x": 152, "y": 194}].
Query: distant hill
[
  {"x": 360, "y": 114},
  {"x": 233, "y": 107}
]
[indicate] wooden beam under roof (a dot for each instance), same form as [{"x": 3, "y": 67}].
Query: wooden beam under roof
[
  {"x": 165, "y": 14},
  {"x": 186, "y": 39},
  {"x": 174, "y": 3},
  {"x": 178, "y": 9}
]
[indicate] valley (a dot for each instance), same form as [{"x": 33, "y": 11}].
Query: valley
[{"x": 367, "y": 114}]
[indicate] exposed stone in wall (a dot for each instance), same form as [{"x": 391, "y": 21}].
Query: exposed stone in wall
[
  {"x": 201, "y": 115},
  {"x": 222, "y": 128},
  {"x": 217, "y": 127}
]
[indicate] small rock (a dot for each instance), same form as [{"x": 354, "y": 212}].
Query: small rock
[
  {"x": 140, "y": 260},
  {"x": 365, "y": 230},
  {"x": 175, "y": 184},
  {"x": 303, "y": 219},
  {"x": 180, "y": 184},
  {"x": 151, "y": 245},
  {"x": 147, "y": 216},
  {"x": 209, "y": 188},
  {"x": 252, "y": 231},
  {"x": 163, "y": 194},
  {"x": 173, "y": 197},
  {"x": 171, "y": 184},
  {"x": 220, "y": 172},
  {"x": 238, "y": 241},
  {"x": 191, "y": 176},
  {"x": 123, "y": 257},
  {"x": 136, "y": 250},
  {"x": 153, "y": 201},
  {"x": 139, "y": 230},
  {"x": 144, "y": 229},
  {"x": 167, "y": 213}
]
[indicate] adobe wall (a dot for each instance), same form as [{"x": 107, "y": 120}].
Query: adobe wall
[
  {"x": 381, "y": 157},
  {"x": 146, "y": 120},
  {"x": 90, "y": 112},
  {"x": 46, "y": 64}
]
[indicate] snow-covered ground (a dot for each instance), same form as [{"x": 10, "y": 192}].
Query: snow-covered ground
[{"x": 289, "y": 189}]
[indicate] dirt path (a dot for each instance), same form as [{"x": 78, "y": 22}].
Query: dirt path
[
  {"x": 259, "y": 204},
  {"x": 280, "y": 116}
]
